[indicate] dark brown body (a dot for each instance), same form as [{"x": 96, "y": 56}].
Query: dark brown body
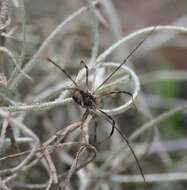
[{"x": 84, "y": 99}]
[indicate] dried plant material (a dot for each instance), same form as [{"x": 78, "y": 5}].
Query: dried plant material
[
  {"x": 76, "y": 165},
  {"x": 57, "y": 120},
  {"x": 4, "y": 15},
  {"x": 88, "y": 100}
]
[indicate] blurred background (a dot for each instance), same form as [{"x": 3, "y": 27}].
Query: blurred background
[{"x": 160, "y": 64}]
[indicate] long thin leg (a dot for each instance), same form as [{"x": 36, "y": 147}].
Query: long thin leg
[
  {"x": 112, "y": 122},
  {"x": 119, "y": 92},
  {"x": 64, "y": 71},
  {"x": 85, "y": 115},
  {"x": 127, "y": 58},
  {"x": 95, "y": 130},
  {"x": 87, "y": 72},
  {"x": 86, "y": 67}
]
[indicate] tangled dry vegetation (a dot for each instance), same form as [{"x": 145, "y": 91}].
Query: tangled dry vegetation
[{"x": 47, "y": 141}]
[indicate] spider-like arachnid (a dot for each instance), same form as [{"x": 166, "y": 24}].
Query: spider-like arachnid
[{"x": 87, "y": 99}]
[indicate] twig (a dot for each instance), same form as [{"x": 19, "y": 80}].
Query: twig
[
  {"x": 27, "y": 132},
  {"x": 3, "y": 133},
  {"x": 140, "y": 32},
  {"x": 23, "y": 49},
  {"x": 136, "y": 87},
  {"x": 18, "y": 67},
  {"x": 150, "y": 178},
  {"x": 3, "y": 186},
  {"x": 51, "y": 169}
]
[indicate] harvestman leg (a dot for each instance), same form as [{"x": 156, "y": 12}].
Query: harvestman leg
[
  {"x": 64, "y": 71},
  {"x": 112, "y": 122},
  {"x": 68, "y": 75},
  {"x": 95, "y": 128},
  {"x": 120, "y": 92},
  {"x": 87, "y": 72},
  {"x": 86, "y": 67},
  {"x": 108, "y": 116}
]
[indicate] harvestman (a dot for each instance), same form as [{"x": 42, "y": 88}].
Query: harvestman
[{"x": 88, "y": 100}]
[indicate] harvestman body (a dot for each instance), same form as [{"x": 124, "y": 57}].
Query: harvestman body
[{"x": 88, "y": 100}]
